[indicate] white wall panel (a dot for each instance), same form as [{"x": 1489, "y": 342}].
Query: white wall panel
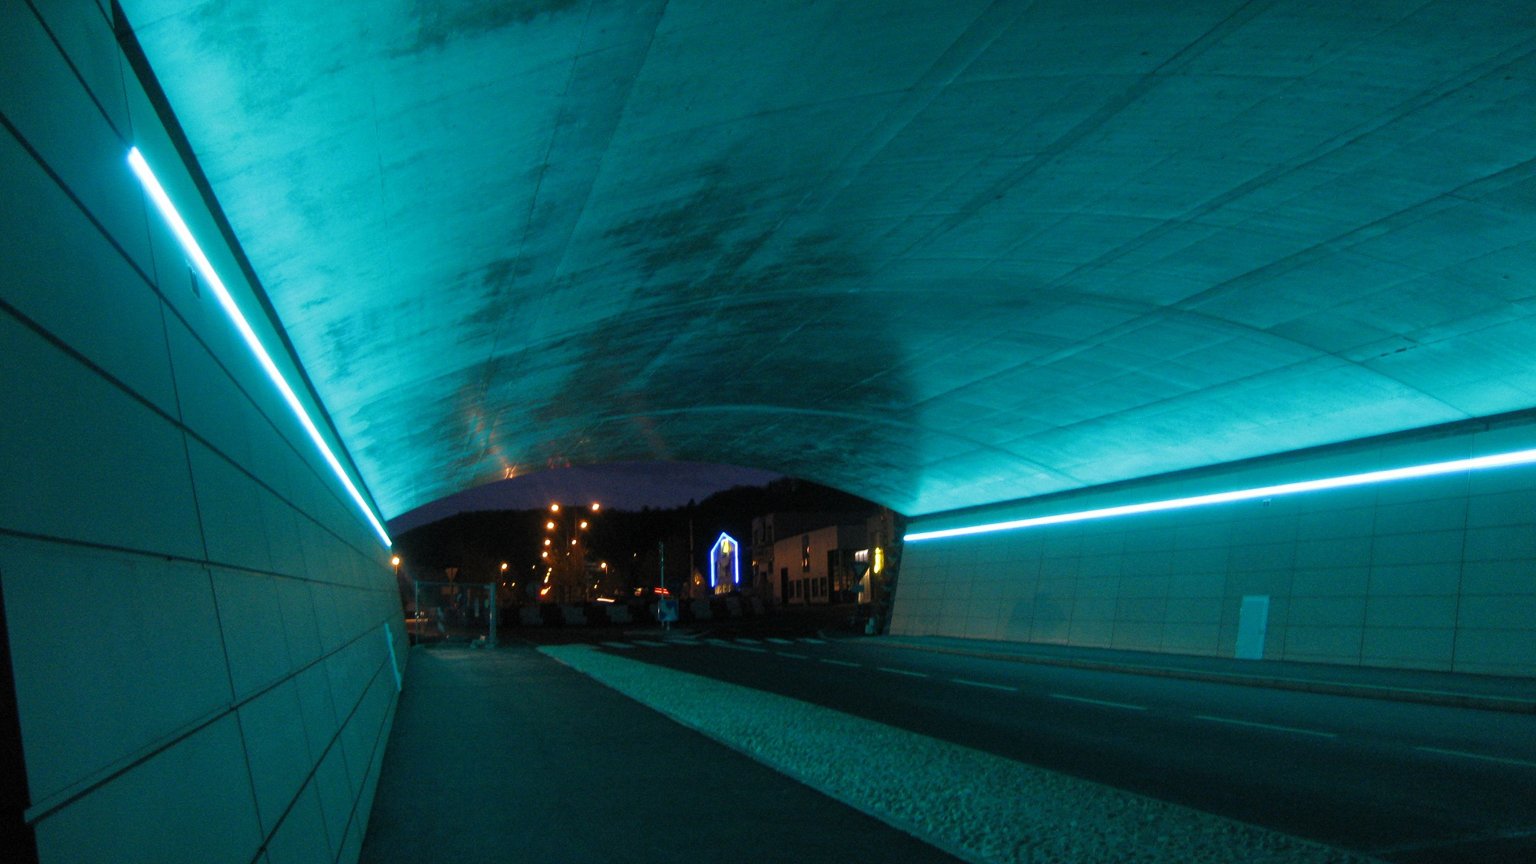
[
  {"x": 186, "y": 584},
  {"x": 1495, "y": 652},
  {"x": 64, "y": 275},
  {"x": 282, "y": 522},
  {"x": 317, "y": 709},
  {"x": 301, "y": 838},
  {"x": 113, "y": 655},
  {"x": 250, "y": 617},
  {"x": 72, "y": 473},
  {"x": 300, "y": 631},
  {"x": 58, "y": 119},
  {"x": 336, "y": 795},
  {"x": 78, "y": 25},
  {"x": 204, "y": 392},
  {"x": 278, "y": 752},
  {"x": 227, "y": 502},
  {"x": 190, "y": 804},
  {"x": 1432, "y": 574}
]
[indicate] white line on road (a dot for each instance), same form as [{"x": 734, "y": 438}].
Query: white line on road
[
  {"x": 969, "y": 683},
  {"x": 1103, "y": 702},
  {"x": 742, "y": 648},
  {"x": 745, "y": 641},
  {"x": 839, "y": 662},
  {"x": 791, "y": 656},
  {"x": 907, "y": 672},
  {"x": 1270, "y": 726},
  {"x": 624, "y": 645},
  {"x": 777, "y": 641},
  {"x": 1503, "y": 760},
  {"x": 813, "y": 641},
  {"x": 649, "y": 644}
]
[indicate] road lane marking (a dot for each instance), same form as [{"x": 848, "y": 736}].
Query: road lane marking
[
  {"x": 745, "y": 641},
  {"x": 649, "y": 644},
  {"x": 969, "y": 683},
  {"x": 813, "y": 641},
  {"x": 1270, "y": 726},
  {"x": 907, "y": 672},
  {"x": 1503, "y": 760},
  {"x": 624, "y": 645},
  {"x": 839, "y": 662},
  {"x": 792, "y": 656},
  {"x": 777, "y": 641},
  {"x": 1101, "y": 702},
  {"x": 743, "y": 648}
]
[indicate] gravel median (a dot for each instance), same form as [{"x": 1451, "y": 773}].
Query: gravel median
[{"x": 972, "y": 804}]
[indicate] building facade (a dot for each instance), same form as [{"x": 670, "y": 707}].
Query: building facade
[{"x": 818, "y": 566}]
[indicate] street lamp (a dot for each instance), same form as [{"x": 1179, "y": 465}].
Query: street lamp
[{"x": 572, "y": 565}]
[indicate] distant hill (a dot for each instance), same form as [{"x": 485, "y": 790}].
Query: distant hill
[{"x": 478, "y": 542}]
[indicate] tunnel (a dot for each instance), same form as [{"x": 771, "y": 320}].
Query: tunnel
[{"x": 1189, "y": 329}]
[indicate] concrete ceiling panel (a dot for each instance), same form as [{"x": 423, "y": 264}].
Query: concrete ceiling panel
[{"x": 938, "y": 254}]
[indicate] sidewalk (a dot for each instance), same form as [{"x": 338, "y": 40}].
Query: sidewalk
[
  {"x": 1487, "y": 692},
  {"x": 507, "y": 755}
]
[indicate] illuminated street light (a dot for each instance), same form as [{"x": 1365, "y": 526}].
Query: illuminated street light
[
  {"x": 395, "y": 560},
  {"x": 572, "y": 565}
]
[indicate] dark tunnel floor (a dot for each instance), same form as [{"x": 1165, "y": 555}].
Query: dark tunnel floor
[{"x": 508, "y": 755}]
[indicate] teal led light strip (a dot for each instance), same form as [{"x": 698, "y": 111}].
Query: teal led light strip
[
  {"x": 1480, "y": 463},
  {"x": 205, "y": 269}
]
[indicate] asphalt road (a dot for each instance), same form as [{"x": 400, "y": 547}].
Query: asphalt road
[
  {"x": 510, "y": 756},
  {"x": 1404, "y": 782}
]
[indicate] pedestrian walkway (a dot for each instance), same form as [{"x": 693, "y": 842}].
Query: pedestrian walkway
[
  {"x": 507, "y": 755},
  {"x": 1488, "y": 692}
]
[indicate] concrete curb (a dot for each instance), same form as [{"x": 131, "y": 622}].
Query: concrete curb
[{"x": 1485, "y": 702}]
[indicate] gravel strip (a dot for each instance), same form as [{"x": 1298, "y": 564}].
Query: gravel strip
[{"x": 975, "y": 805}]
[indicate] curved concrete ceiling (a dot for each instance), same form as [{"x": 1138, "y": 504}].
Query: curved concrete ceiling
[{"x": 935, "y": 253}]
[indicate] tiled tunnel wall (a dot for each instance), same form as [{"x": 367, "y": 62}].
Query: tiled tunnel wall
[
  {"x": 1435, "y": 573},
  {"x": 202, "y": 628}
]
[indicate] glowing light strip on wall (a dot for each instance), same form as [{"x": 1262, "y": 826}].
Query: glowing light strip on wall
[
  {"x": 205, "y": 269},
  {"x": 1480, "y": 463}
]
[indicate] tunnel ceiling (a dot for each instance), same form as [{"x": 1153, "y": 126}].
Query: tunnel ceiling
[{"x": 935, "y": 253}]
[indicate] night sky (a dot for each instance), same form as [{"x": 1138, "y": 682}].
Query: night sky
[{"x": 618, "y": 486}]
